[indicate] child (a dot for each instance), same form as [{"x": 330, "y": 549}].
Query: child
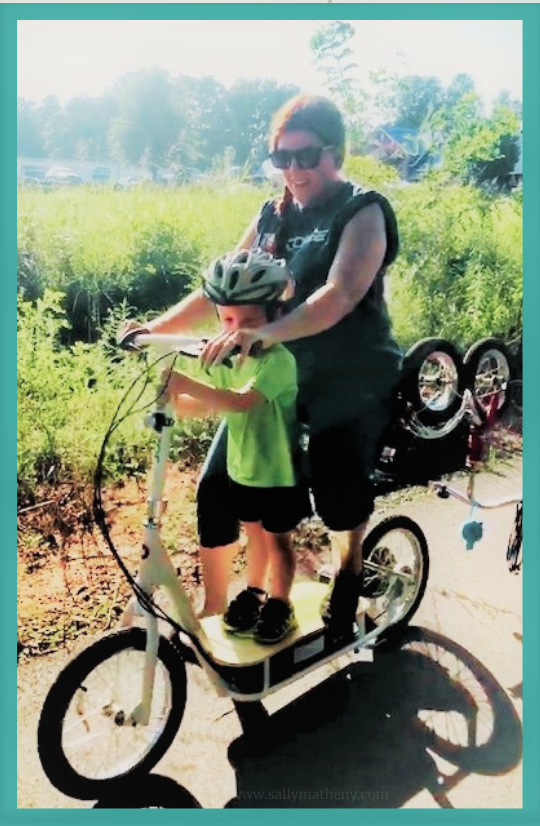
[{"x": 257, "y": 397}]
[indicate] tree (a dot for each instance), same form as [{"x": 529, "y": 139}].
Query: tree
[
  {"x": 333, "y": 57},
  {"x": 151, "y": 118},
  {"x": 460, "y": 85},
  {"x": 87, "y": 122},
  {"x": 504, "y": 98},
  {"x": 252, "y": 104},
  {"x": 29, "y": 138},
  {"x": 53, "y": 130},
  {"x": 416, "y": 98},
  {"x": 408, "y": 100},
  {"x": 211, "y": 119},
  {"x": 484, "y": 150}
]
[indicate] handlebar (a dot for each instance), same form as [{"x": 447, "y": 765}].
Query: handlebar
[
  {"x": 445, "y": 491},
  {"x": 136, "y": 339},
  {"x": 177, "y": 343}
]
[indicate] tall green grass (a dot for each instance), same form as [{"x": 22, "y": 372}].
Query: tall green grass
[
  {"x": 147, "y": 246},
  {"x": 88, "y": 258}
]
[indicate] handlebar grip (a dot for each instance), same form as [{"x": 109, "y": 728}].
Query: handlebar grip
[{"x": 126, "y": 341}]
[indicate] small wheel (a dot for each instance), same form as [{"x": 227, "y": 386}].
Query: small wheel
[
  {"x": 487, "y": 372},
  {"x": 433, "y": 380},
  {"x": 86, "y": 738},
  {"x": 395, "y": 573}
]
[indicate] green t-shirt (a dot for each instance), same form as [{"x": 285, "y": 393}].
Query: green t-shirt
[{"x": 260, "y": 440}]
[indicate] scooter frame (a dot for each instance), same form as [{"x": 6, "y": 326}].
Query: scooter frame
[
  {"x": 247, "y": 672},
  {"x": 305, "y": 652}
]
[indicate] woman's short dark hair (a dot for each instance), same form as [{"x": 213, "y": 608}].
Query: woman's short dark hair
[{"x": 312, "y": 114}]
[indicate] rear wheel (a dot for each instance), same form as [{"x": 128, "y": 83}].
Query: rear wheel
[
  {"x": 87, "y": 737},
  {"x": 395, "y": 573},
  {"x": 433, "y": 380},
  {"x": 463, "y": 713},
  {"x": 488, "y": 373}
]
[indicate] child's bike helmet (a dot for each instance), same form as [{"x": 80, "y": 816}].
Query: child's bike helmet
[{"x": 245, "y": 277}]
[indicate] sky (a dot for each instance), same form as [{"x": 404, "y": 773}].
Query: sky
[{"x": 68, "y": 58}]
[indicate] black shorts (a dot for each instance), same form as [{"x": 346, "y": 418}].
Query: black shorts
[
  {"x": 340, "y": 463},
  {"x": 278, "y": 509}
]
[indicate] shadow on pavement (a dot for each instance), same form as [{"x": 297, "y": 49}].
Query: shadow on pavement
[
  {"x": 364, "y": 738},
  {"x": 155, "y": 791}
]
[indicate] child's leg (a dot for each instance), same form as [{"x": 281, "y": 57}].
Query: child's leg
[
  {"x": 277, "y": 618},
  {"x": 217, "y": 568},
  {"x": 282, "y": 564},
  {"x": 244, "y": 611},
  {"x": 217, "y": 525},
  {"x": 257, "y": 558}
]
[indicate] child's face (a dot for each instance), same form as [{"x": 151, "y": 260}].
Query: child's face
[{"x": 246, "y": 316}]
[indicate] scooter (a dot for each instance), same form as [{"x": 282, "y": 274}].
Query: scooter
[{"x": 115, "y": 709}]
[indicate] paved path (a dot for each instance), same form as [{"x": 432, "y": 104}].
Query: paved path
[{"x": 359, "y": 737}]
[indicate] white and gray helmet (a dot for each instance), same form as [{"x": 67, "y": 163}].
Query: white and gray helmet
[{"x": 245, "y": 277}]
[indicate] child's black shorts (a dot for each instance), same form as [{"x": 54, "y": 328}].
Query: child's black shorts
[{"x": 278, "y": 509}]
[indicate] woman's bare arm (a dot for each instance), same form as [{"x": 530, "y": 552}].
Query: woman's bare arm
[
  {"x": 358, "y": 259},
  {"x": 188, "y": 314}
]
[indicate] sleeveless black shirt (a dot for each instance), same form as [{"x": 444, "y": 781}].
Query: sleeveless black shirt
[{"x": 356, "y": 362}]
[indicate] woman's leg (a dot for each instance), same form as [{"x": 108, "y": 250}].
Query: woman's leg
[{"x": 344, "y": 499}]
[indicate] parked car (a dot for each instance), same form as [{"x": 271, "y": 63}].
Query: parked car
[
  {"x": 32, "y": 174},
  {"x": 101, "y": 175},
  {"x": 188, "y": 175},
  {"x": 61, "y": 176},
  {"x": 128, "y": 182}
]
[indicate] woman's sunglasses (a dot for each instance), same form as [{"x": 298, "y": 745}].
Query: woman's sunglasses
[{"x": 308, "y": 157}]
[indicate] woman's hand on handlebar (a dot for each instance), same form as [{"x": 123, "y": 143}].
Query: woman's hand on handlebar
[
  {"x": 128, "y": 331},
  {"x": 243, "y": 342}
]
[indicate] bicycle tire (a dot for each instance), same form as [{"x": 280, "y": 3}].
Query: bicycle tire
[
  {"x": 383, "y": 560},
  {"x": 75, "y": 777},
  {"x": 514, "y": 551},
  {"x": 433, "y": 380},
  {"x": 488, "y": 367}
]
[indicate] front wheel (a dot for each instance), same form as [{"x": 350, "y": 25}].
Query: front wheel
[
  {"x": 87, "y": 736},
  {"x": 395, "y": 574}
]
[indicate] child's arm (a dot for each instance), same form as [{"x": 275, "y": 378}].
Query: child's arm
[
  {"x": 187, "y": 407},
  {"x": 205, "y": 399}
]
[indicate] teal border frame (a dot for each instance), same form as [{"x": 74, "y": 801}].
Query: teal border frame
[{"x": 530, "y": 14}]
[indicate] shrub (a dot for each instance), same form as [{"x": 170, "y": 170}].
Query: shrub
[{"x": 459, "y": 273}]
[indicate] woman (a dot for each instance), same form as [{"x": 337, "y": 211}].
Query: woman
[{"x": 337, "y": 240}]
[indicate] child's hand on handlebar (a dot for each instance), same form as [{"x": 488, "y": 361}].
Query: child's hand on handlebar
[{"x": 243, "y": 342}]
